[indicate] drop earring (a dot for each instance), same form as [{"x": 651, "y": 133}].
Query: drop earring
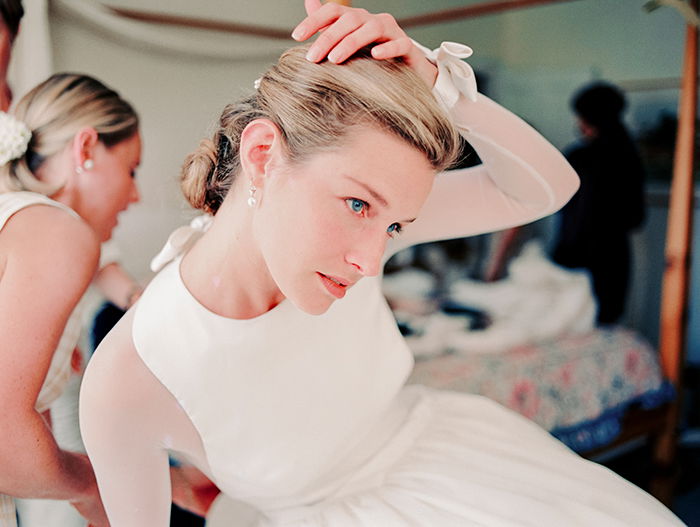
[{"x": 251, "y": 198}]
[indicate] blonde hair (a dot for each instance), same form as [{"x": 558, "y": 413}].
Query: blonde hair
[
  {"x": 55, "y": 111},
  {"x": 315, "y": 106}
]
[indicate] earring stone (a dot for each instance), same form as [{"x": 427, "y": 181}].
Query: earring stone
[
  {"x": 88, "y": 164},
  {"x": 251, "y": 199}
]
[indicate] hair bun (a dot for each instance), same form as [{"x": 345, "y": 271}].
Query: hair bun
[
  {"x": 208, "y": 148},
  {"x": 197, "y": 170}
]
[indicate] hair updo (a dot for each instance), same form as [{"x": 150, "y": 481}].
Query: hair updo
[
  {"x": 315, "y": 106},
  {"x": 55, "y": 111}
]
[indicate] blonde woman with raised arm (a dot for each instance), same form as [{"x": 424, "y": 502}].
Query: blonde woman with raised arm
[
  {"x": 69, "y": 152},
  {"x": 264, "y": 353}
]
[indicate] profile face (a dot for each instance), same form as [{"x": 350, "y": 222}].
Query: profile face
[
  {"x": 322, "y": 225},
  {"x": 110, "y": 186}
]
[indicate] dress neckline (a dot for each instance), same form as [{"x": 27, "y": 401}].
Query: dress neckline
[{"x": 283, "y": 306}]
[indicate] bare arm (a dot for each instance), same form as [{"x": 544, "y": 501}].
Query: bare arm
[
  {"x": 523, "y": 178},
  {"x": 49, "y": 258},
  {"x": 128, "y": 419},
  {"x": 117, "y": 285}
]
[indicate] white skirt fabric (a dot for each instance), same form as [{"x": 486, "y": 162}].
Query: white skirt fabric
[{"x": 463, "y": 460}]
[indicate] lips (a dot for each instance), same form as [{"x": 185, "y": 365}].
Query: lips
[{"x": 334, "y": 285}]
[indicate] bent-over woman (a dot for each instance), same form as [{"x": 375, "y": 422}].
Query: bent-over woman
[{"x": 68, "y": 155}]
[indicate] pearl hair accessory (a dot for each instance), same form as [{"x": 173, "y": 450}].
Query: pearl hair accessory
[
  {"x": 251, "y": 199},
  {"x": 14, "y": 138}
]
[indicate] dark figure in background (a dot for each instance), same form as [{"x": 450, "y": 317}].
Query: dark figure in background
[{"x": 596, "y": 224}]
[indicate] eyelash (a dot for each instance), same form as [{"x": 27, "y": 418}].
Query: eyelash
[{"x": 392, "y": 230}]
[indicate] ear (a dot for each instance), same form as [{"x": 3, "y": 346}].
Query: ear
[
  {"x": 261, "y": 144},
  {"x": 83, "y": 145}
]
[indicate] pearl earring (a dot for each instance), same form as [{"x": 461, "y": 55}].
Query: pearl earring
[
  {"x": 251, "y": 198},
  {"x": 88, "y": 164}
]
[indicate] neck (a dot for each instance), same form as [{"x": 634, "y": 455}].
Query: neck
[
  {"x": 225, "y": 270},
  {"x": 55, "y": 171}
]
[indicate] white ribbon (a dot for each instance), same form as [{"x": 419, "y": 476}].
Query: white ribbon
[
  {"x": 455, "y": 76},
  {"x": 181, "y": 240}
]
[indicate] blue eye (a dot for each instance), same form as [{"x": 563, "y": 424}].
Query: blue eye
[
  {"x": 356, "y": 205},
  {"x": 394, "y": 228}
]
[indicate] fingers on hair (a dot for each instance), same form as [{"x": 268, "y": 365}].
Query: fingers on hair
[{"x": 315, "y": 106}]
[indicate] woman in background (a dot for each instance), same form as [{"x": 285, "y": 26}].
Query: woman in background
[
  {"x": 264, "y": 352},
  {"x": 69, "y": 154},
  {"x": 597, "y": 223}
]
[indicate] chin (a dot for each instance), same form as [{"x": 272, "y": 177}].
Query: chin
[
  {"x": 105, "y": 236},
  {"x": 314, "y": 308}
]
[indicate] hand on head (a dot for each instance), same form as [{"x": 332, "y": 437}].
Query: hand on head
[{"x": 345, "y": 30}]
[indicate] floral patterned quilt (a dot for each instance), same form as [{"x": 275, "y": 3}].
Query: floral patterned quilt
[{"x": 576, "y": 387}]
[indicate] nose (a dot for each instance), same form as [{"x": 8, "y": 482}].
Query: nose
[
  {"x": 134, "y": 195},
  {"x": 366, "y": 255}
]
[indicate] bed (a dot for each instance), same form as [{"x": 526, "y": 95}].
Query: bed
[
  {"x": 529, "y": 342},
  {"x": 577, "y": 387}
]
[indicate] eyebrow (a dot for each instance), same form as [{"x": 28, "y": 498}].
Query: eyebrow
[{"x": 376, "y": 195}]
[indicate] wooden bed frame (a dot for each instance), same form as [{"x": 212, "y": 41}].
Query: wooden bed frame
[{"x": 659, "y": 426}]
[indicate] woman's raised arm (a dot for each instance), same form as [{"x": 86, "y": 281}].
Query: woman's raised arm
[{"x": 523, "y": 178}]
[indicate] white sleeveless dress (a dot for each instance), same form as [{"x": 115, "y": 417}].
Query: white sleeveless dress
[
  {"x": 59, "y": 371},
  {"x": 306, "y": 419}
]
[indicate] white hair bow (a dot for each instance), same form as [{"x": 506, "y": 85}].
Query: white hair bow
[
  {"x": 181, "y": 240},
  {"x": 455, "y": 76}
]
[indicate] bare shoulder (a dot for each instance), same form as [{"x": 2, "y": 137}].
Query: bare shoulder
[
  {"x": 47, "y": 260},
  {"x": 42, "y": 234}
]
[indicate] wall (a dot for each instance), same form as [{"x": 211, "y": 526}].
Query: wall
[
  {"x": 178, "y": 98},
  {"x": 534, "y": 58}
]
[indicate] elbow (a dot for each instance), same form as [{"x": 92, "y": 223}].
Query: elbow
[{"x": 568, "y": 186}]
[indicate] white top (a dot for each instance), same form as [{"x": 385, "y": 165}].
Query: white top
[
  {"x": 268, "y": 375},
  {"x": 60, "y": 368},
  {"x": 306, "y": 419}
]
